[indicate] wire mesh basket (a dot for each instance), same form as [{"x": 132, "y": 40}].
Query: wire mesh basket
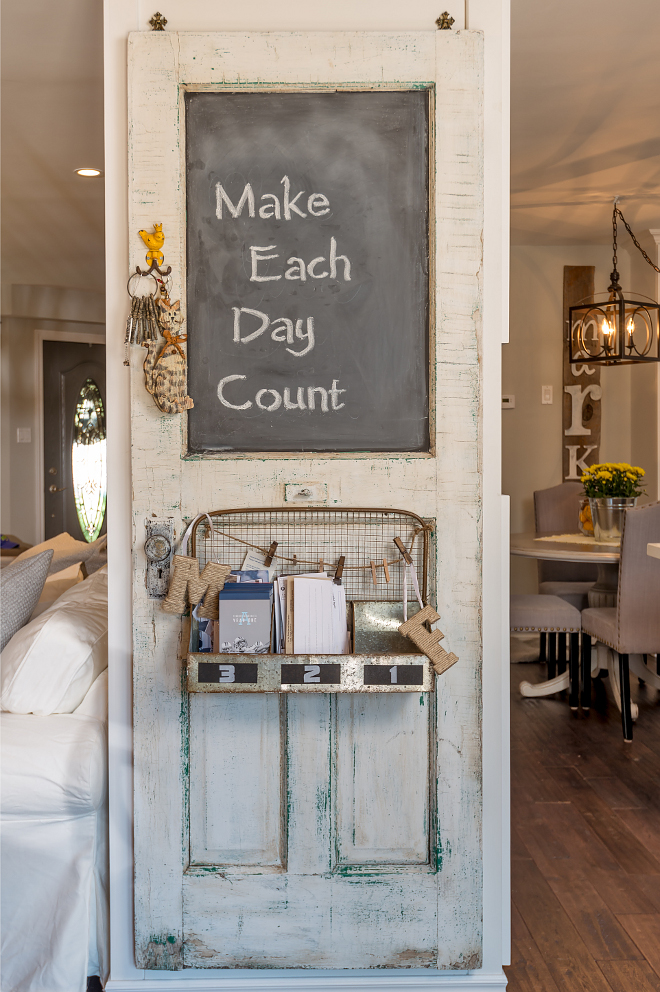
[{"x": 312, "y": 539}]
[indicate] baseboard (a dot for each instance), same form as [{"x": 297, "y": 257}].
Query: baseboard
[{"x": 176, "y": 982}]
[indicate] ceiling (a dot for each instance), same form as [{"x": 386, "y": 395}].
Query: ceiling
[{"x": 585, "y": 127}]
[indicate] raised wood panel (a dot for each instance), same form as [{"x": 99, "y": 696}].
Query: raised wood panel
[
  {"x": 382, "y": 780},
  {"x": 259, "y": 921},
  {"x": 235, "y": 780}
]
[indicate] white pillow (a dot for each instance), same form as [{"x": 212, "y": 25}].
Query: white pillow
[
  {"x": 50, "y": 664},
  {"x": 55, "y": 586},
  {"x": 67, "y": 551}
]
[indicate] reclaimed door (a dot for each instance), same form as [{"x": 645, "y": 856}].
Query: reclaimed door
[{"x": 324, "y": 830}]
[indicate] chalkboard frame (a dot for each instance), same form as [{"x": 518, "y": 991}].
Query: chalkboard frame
[{"x": 429, "y": 87}]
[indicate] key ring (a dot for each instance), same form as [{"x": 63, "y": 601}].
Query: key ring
[{"x": 137, "y": 274}]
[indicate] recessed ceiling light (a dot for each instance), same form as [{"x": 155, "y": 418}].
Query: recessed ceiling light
[{"x": 88, "y": 172}]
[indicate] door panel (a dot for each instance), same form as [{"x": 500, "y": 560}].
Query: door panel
[
  {"x": 235, "y": 780},
  {"x": 66, "y": 366},
  {"x": 382, "y": 775},
  {"x": 276, "y": 921}
]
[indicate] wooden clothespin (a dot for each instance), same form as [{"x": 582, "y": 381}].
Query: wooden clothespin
[
  {"x": 373, "y": 572},
  {"x": 321, "y": 565},
  {"x": 340, "y": 570},
  {"x": 386, "y": 570},
  {"x": 268, "y": 560},
  {"x": 402, "y": 548}
]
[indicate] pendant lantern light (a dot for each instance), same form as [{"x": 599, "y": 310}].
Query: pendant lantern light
[{"x": 615, "y": 331}]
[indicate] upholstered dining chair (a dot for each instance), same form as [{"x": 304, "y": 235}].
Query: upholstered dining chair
[
  {"x": 556, "y": 511},
  {"x": 550, "y": 615},
  {"x": 632, "y": 628}
]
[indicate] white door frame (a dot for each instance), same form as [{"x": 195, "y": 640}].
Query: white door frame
[{"x": 75, "y": 337}]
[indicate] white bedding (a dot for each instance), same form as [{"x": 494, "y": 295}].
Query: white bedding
[{"x": 54, "y": 847}]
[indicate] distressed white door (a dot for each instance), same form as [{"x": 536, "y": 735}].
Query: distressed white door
[{"x": 314, "y": 831}]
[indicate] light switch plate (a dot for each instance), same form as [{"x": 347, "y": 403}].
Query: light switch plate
[
  {"x": 23, "y": 435},
  {"x": 305, "y": 492},
  {"x": 546, "y": 395}
]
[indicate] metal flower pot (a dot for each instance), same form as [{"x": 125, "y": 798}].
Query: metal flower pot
[{"x": 607, "y": 514}]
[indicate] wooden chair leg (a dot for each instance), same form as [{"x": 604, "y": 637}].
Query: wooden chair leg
[
  {"x": 586, "y": 672},
  {"x": 543, "y": 648},
  {"x": 552, "y": 655},
  {"x": 574, "y": 671},
  {"x": 561, "y": 654},
  {"x": 624, "y": 688}
]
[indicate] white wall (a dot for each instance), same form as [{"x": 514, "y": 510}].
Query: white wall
[
  {"x": 29, "y": 309},
  {"x": 532, "y": 432}
]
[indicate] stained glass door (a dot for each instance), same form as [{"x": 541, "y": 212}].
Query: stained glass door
[{"x": 74, "y": 439}]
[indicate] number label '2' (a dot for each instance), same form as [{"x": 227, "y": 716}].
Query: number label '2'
[{"x": 312, "y": 673}]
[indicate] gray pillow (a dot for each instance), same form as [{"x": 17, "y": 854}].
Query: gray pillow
[{"x": 21, "y": 584}]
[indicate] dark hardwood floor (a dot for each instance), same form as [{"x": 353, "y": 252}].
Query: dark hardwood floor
[{"x": 585, "y": 814}]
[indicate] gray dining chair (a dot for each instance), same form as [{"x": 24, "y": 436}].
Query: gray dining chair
[
  {"x": 631, "y": 629},
  {"x": 550, "y": 615},
  {"x": 556, "y": 511}
]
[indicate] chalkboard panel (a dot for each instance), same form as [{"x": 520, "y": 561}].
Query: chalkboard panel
[{"x": 308, "y": 271}]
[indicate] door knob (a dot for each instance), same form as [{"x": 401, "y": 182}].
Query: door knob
[{"x": 54, "y": 489}]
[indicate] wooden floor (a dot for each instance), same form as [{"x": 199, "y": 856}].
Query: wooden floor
[{"x": 585, "y": 844}]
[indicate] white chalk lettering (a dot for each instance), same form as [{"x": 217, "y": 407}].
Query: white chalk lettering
[
  {"x": 312, "y": 265},
  {"x": 275, "y": 405},
  {"x": 265, "y": 323},
  {"x": 334, "y": 393},
  {"x": 270, "y": 209},
  {"x": 221, "y": 386},
  {"x": 281, "y": 329},
  {"x": 300, "y": 334},
  {"x": 311, "y": 390},
  {"x": 334, "y": 258},
  {"x": 286, "y": 327},
  {"x": 300, "y": 401},
  {"x": 297, "y": 270},
  {"x": 256, "y": 258},
  {"x": 318, "y": 205},
  {"x": 316, "y": 201},
  {"x": 271, "y": 399},
  {"x": 290, "y": 204},
  {"x": 221, "y": 197}
]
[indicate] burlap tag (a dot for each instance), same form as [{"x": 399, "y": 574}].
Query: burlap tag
[
  {"x": 428, "y": 642},
  {"x": 187, "y": 586}
]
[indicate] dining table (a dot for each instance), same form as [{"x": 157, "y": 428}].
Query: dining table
[
  {"x": 571, "y": 547},
  {"x": 575, "y": 547}
]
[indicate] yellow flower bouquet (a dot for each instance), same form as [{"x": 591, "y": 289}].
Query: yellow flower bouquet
[{"x": 612, "y": 479}]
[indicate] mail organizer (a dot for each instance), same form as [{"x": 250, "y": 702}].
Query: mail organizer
[{"x": 358, "y": 548}]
